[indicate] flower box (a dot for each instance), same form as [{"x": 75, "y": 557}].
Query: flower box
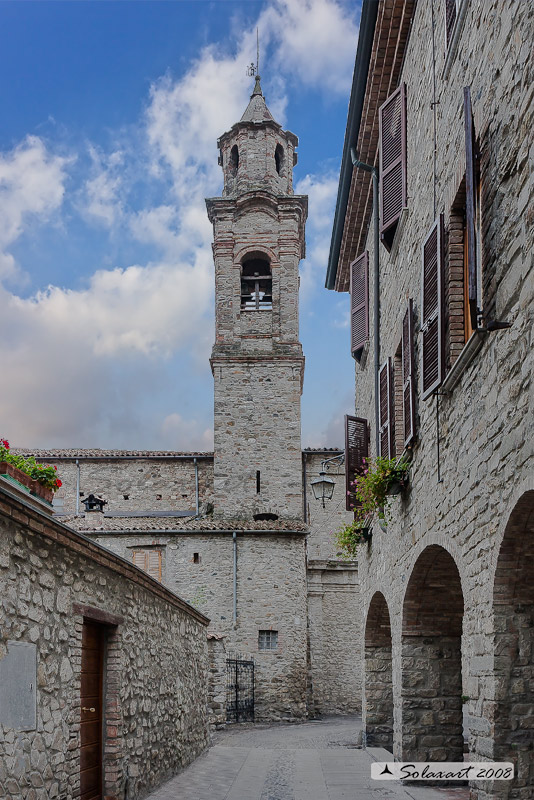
[{"x": 34, "y": 487}]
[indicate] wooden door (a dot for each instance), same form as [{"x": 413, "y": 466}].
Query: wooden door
[{"x": 91, "y": 712}]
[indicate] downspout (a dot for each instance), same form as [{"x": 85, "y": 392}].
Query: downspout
[
  {"x": 196, "y": 487},
  {"x": 376, "y": 286},
  {"x": 234, "y": 539},
  {"x": 304, "y": 494},
  {"x": 77, "y": 487}
]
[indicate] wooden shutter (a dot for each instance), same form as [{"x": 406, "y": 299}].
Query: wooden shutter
[
  {"x": 470, "y": 206},
  {"x": 356, "y": 451},
  {"x": 386, "y": 411},
  {"x": 450, "y": 18},
  {"x": 359, "y": 303},
  {"x": 408, "y": 381},
  {"x": 392, "y": 144},
  {"x": 431, "y": 308},
  {"x": 149, "y": 561}
]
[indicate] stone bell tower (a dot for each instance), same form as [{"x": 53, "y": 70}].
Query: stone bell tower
[{"x": 257, "y": 361}]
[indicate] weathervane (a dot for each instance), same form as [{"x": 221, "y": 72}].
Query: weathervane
[{"x": 254, "y": 69}]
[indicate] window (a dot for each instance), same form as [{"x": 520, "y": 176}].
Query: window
[
  {"x": 403, "y": 414},
  {"x": 267, "y": 640},
  {"x": 359, "y": 304},
  {"x": 432, "y": 309},
  {"x": 234, "y": 160},
  {"x": 356, "y": 451},
  {"x": 392, "y": 167},
  {"x": 256, "y": 285},
  {"x": 463, "y": 289},
  {"x": 279, "y": 158},
  {"x": 386, "y": 410},
  {"x": 196, "y": 558},
  {"x": 149, "y": 561},
  {"x": 258, "y": 482}
]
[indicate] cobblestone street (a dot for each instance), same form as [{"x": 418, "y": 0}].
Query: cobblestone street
[{"x": 318, "y": 760}]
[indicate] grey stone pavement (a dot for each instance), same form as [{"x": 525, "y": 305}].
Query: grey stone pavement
[{"x": 316, "y": 760}]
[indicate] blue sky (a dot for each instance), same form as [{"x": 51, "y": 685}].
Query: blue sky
[{"x": 111, "y": 112}]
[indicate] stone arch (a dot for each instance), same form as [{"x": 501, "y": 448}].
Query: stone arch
[
  {"x": 378, "y": 686},
  {"x": 234, "y": 160},
  {"x": 432, "y": 621},
  {"x": 279, "y": 159},
  {"x": 513, "y": 613}
]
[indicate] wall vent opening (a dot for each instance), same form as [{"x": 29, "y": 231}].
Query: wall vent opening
[{"x": 265, "y": 517}]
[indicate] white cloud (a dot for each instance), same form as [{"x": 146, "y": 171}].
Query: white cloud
[
  {"x": 322, "y": 193},
  {"x": 101, "y": 199},
  {"x": 184, "y": 434},
  {"x": 31, "y": 186},
  {"x": 315, "y": 41}
]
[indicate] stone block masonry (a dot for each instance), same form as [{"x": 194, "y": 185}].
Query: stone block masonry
[{"x": 53, "y": 582}]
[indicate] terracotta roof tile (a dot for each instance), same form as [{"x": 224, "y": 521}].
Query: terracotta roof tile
[{"x": 96, "y": 523}]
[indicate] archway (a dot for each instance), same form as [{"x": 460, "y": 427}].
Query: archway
[
  {"x": 432, "y": 728},
  {"x": 378, "y": 707},
  {"x": 513, "y": 610}
]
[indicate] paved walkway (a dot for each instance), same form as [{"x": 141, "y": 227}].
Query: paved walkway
[{"x": 318, "y": 760}]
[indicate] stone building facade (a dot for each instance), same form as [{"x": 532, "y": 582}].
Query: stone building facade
[
  {"x": 103, "y": 671},
  {"x": 442, "y": 106},
  {"x": 237, "y": 532}
]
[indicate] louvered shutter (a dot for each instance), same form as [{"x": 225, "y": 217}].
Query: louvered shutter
[
  {"x": 392, "y": 173},
  {"x": 356, "y": 451},
  {"x": 153, "y": 566},
  {"x": 149, "y": 561},
  {"x": 431, "y": 308},
  {"x": 408, "y": 381},
  {"x": 470, "y": 206},
  {"x": 450, "y": 18},
  {"x": 359, "y": 303},
  {"x": 385, "y": 411}
]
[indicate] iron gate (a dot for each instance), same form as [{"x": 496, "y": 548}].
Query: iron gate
[{"x": 239, "y": 689}]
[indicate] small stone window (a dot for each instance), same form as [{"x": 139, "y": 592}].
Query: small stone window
[
  {"x": 196, "y": 558},
  {"x": 267, "y": 640},
  {"x": 279, "y": 159},
  {"x": 234, "y": 160},
  {"x": 149, "y": 560},
  {"x": 256, "y": 285}
]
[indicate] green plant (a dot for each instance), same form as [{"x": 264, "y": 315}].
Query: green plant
[
  {"x": 349, "y": 537},
  {"x": 43, "y": 473},
  {"x": 370, "y": 494}
]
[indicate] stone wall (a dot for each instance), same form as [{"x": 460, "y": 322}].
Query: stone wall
[
  {"x": 155, "y": 674},
  {"x": 133, "y": 484},
  {"x": 271, "y": 595},
  {"x": 335, "y": 636},
  {"x": 324, "y": 522},
  {"x": 486, "y": 456}
]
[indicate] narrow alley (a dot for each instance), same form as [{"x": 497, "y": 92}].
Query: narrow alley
[{"x": 319, "y": 760}]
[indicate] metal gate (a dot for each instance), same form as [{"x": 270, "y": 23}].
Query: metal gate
[{"x": 239, "y": 689}]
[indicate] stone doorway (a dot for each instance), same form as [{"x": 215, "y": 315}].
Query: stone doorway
[
  {"x": 378, "y": 689},
  {"x": 513, "y": 609},
  {"x": 432, "y": 728},
  {"x": 91, "y": 711}
]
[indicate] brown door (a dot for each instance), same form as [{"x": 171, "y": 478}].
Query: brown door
[{"x": 91, "y": 712}]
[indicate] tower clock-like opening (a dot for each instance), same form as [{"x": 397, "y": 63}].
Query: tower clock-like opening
[
  {"x": 234, "y": 160},
  {"x": 279, "y": 158},
  {"x": 256, "y": 285}
]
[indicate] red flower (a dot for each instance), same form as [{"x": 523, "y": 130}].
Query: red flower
[
  {"x": 5, "y": 443},
  {"x": 55, "y": 468},
  {"x": 58, "y": 483}
]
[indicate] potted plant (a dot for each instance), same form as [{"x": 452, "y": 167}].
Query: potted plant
[
  {"x": 40, "y": 479},
  {"x": 381, "y": 478}
]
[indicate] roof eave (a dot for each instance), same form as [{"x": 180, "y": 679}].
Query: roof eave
[{"x": 357, "y": 95}]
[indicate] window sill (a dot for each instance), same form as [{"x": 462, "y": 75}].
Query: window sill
[
  {"x": 398, "y": 233},
  {"x": 463, "y": 361},
  {"x": 457, "y": 32}
]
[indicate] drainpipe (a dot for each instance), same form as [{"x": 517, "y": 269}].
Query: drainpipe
[
  {"x": 196, "y": 487},
  {"x": 304, "y": 493},
  {"x": 234, "y": 539},
  {"x": 376, "y": 285},
  {"x": 77, "y": 487}
]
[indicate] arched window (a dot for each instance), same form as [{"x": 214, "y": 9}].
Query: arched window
[
  {"x": 279, "y": 158},
  {"x": 234, "y": 160},
  {"x": 256, "y": 285}
]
